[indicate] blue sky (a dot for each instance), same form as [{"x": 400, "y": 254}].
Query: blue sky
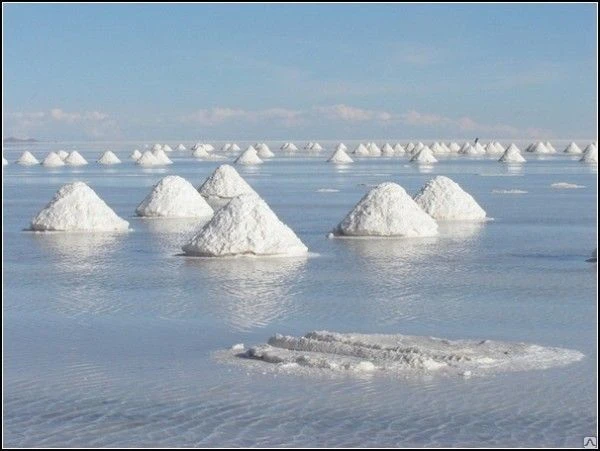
[{"x": 327, "y": 71}]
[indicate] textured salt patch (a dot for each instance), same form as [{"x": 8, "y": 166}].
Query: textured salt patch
[
  {"x": 53, "y": 160},
  {"x": 109, "y": 158},
  {"x": 398, "y": 355},
  {"x": 245, "y": 226},
  {"x": 27, "y": 159},
  {"x": 225, "y": 183},
  {"x": 76, "y": 207},
  {"x": 387, "y": 210},
  {"x": 174, "y": 197},
  {"x": 509, "y": 191},
  {"x": 248, "y": 157},
  {"x": 340, "y": 157},
  {"x": 564, "y": 185},
  {"x": 75, "y": 159},
  {"x": 443, "y": 199}
]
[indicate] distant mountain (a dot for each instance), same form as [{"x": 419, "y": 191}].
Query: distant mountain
[{"x": 12, "y": 139}]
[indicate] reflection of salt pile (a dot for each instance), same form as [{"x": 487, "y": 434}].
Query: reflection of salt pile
[
  {"x": 594, "y": 257},
  {"x": 340, "y": 157},
  {"x": 27, "y": 159},
  {"x": 425, "y": 155},
  {"x": 249, "y": 157},
  {"x": 444, "y": 199},
  {"x": 263, "y": 151},
  {"x": 591, "y": 155},
  {"x": 573, "y": 148},
  {"x": 109, "y": 158},
  {"x": 174, "y": 197},
  {"x": 512, "y": 155},
  {"x": 147, "y": 159},
  {"x": 76, "y": 207},
  {"x": 245, "y": 226},
  {"x": 75, "y": 159},
  {"x": 52, "y": 160},
  {"x": 224, "y": 183},
  {"x": 135, "y": 155},
  {"x": 403, "y": 354},
  {"x": 387, "y": 210}
]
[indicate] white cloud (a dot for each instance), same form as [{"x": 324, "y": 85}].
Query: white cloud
[
  {"x": 217, "y": 116},
  {"x": 353, "y": 114}
]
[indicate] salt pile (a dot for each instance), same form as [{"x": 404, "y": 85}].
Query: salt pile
[
  {"x": 410, "y": 147},
  {"x": 454, "y": 147},
  {"x": 499, "y": 147},
  {"x": 316, "y": 147},
  {"x": 361, "y": 150},
  {"x": 156, "y": 147},
  {"x": 341, "y": 146},
  {"x": 63, "y": 154},
  {"x": 135, "y": 155},
  {"x": 425, "y": 155},
  {"x": 263, "y": 151},
  {"x": 512, "y": 155},
  {"x": 373, "y": 149},
  {"x": 200, "y": 152},
  {"x": 181, "y": 147},
  {"x": 52, "y": 160},
  {"x": 245, "y": 226},
  {"x": 147, "y": 159},
  {"x": 573, "y": 148},
  {"x": 400, "y": 355},
  {"x": 289, "y": 147},
  {"x": 224, "y": 183},
  {"x": 109, "y": 158},
  {"x": 387, "y": 210},
  {"x": 167, "y": 148},
  {"x": 436, "y": 148},
  {"x": 539, "y": 148},
  {"x": 27, "y": 159},
  {"x": 444, "y": 200},
  {"x": 591, "y": 155},
  {"x": 340, "y": 157},
  {"x": 492, "y": 149},
  {"x": 550, "y": 147},
  {"x": 75, "y": 159},
  {"x": 76, "y": 207},
  {"x": 174, "y": 197},
  {"x": 398, "y": 149},
  {"x": 249, "y": 157},
  {"x": 387, "y": 150},
  {"x": 226, "y": 147},
  {"x": 161, "y": 156}
]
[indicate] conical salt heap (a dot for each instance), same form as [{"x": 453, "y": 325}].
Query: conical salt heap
[
  {"x": 263, "y": 151},
  {"x": 444, "y": 200},
  {"x": 492, "y": 149},
  {"x": 387, "y": 210},
  {"x": 289, "y": 147},
  {"x": 454, "y": 147},
  {"x": 167, "y": 148},
  {"x": 361, "y": 150},
  {"x": 147, "y": 159},
  {"x": 76, "y": 207},
  {"x": 341, "y": 146},
  {"x": 539, "y": 148},
  {"x": 135, "y": 155},
  {"x": 387, "y": 150},
  {"x": 512, "y": 155},
  {"x": 181, "y": 147},
  {"x": 109, "y": 158},
  {"x": 410, "y": 147},
  {"x": 27, "y": 159},
  {"x": 53, "y": 160},
  {"x": 225, "y": 183},
  {"x": 591, "y": 156},
  {"x": 63, "y": 154},
  {"x": 174, "y": 197},
  {"x": 340, "y": 157},
  {"x": 573, "y": 148},
  {"x": 398, "y": 149},
  {"x": 161, "y": 156},
  {"x": 245, "y": 226},
  {"x": 249, "y": 157},
  {"x": 75, "y": 159},
  {"x": 374, "y": 150},
  {"x": 550, "y": 147},
  {"x": 425, "y": 156}
]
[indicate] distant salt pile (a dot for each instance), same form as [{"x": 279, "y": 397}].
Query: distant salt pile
[
  {"x": 398, "y": 355},
  {"x": 148, "y": 159},
  {"x": 75, "y": 159},
  {"x": 418, "y": 147},
  {"x": 263, "y": 151},
  {"x": 167, "y": 148},
  {"x": 539, "y": 148},
  {"x": 174, "y": 197},
  {"x": 341, "y": 146},
  {"x": 573, "y": 148},
  {"x": 564, "y": 185},
  {"x": 491, "y": 149},
  {"x": 410, "y": 147},
  {"x": 197, "y": 145},
  {"x": 444, "y": 200},
  {"x": 499, "y": 146},
  {"x": 387, "y": 150},
  {"x": 289, "y": 147},
  {"x": 550, "y": 147},
  {"x": 63, "y": 154},
  {"x": 437, "y": 148},
  {"x": 424, "y": 156},
  {"x": 398, "y": 149},
  {"x": 27, "y": 159},
  {"x": 249, "y": 157},
  {"x": 76, "y": 207},
  {"x": 454, "y": 147},
  {"x": 235, "y": 148},
  {"x": 340, "y": 157},
  {"x": 387, "y": 210},
  {"x": 361, "y": 151},
  {"x": 200, "y": 152},
  {"x": 109, "y": 158},
  {"x": 156, "y": 147},
  {"x": 245, "y": 226},
  {"x": 373, "y": 149},
  {"x": 226, "y": 147},
  {"x": 135, "y": 155},
  {"x": 161, "y": 157},
  {"x": 512, "y": 155},
  {"x": 591, "y": 155},
  {"x": 224, "y": 183},
  {"x": 52, "y": 160},
  {"x": 594, "y": 257},
  {"x": 181, "y": 147}
]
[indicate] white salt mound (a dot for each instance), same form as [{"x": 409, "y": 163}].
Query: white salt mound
[
  {"x": 181, "y": 147},
  {"x": 147, "y": 159},
  {"x": 161, "y": 156},
  {"x": 387, "y": 210},
  {"x": 263, "y": 151},
  {"x": 289, "y": 147},
  {"x": 63, "y": 154},
  {"x": 167, "y": 148},
  {"x": 550, "y": 147},
  {"x": 425, "y": 155},
  {"x": 340, "y": 157},
  {"x": 454, "y": 147},
  {"x": 373, "y": 149},
  {"x": 444, "y": 200},
  {"x": 361, "y": 150},
  {"x": 75, "y": 159},
  {"x": 492, "y": 149},
  {"x": 400, "y": 355},
  {"x": 27, "y": 159},
  {"x": 564, "y": 185},
  {"x": 174, "y": 197},
  {"x": 156, "y": 147},
  {"x": 410, "y": 147},
  {"x": 341, "y": 146},
  {"x": 591, "y": 156},
  {"x": 225, "y": 183},
  {"x": 398, "y": 149},
  {"x": 135, "y": 155},
  {"x": 235, "y": 148},
  {"x": 76, "y": 207},
  {"x": 200, "y": 152},
  {"x": 539, "y": 148},
  {"x": 109, "y": 158},
  {"x": 387, "y": 150},
  {"x": 573, "y": 148},
  {"x": 245, "y": 226},
  {"x": 249, "y": 157},
  {"x": 53, "y": 160},
  {"x": 512, "y": 155}
]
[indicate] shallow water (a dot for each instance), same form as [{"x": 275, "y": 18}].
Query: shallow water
[{"x": 109, "y": 340}]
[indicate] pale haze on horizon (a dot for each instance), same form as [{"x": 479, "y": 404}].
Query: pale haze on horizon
[{"x": 291, "y": 71}]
